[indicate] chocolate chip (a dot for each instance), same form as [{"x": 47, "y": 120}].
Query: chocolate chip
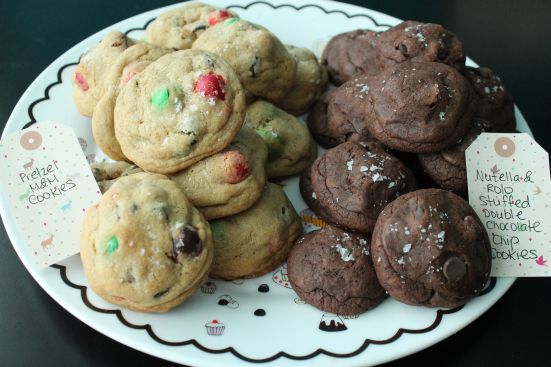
[
  {"x": 201, "y": 27},
  {"x": 187, "y": 242},
  {"x": 454, "y": 269},
  {"x": 161, "y": 293},
  {"x": 252, "y": 68},
  {"x": 263, "y": 288},
  {"x": 260, "y": 312}
]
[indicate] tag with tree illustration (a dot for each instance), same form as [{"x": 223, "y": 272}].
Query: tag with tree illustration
[
  {"x": 510, "y": 190},
  {"x": 48, "y": 185}
]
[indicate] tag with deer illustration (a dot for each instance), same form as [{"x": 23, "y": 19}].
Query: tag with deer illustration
[
  {"x": 48, "y": 185},
  {"x": 510, "y": 190}
]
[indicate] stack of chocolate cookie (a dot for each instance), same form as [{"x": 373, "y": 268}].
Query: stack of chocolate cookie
[{"x": 405, "y": 109}]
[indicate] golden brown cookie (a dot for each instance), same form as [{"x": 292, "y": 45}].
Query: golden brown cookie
[
  {"x": 182, "y": 108},
  {"x": 256, "y": 241},
  {"x": 144, "y": 246}
]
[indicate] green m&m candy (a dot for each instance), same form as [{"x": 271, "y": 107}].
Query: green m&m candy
[
  {"x": 112, "y": 245},
  {"x": 159, "y": 98}
]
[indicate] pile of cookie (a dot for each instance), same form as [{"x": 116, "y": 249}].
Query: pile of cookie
[
  {"x": 405, "y": 109},
  {"x": 201, "y": 114},
  {"x": 194, "y": 118}
]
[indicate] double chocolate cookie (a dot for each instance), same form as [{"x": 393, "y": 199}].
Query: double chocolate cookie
[
  {"x": 429, "y": 248},
  {"x": 419, "y": 107},
  {"x": 346, "y": 110},
  {"x": 492, "y": 101},
  {"x": 317, "y": 121},
  {"x": 351, "y": 184},
  {"x": 351, "y": 53},
  {"x": 416, "y": 41},
  {"x": 447, "y": 167},
  {"x": 331, "y": 269}
]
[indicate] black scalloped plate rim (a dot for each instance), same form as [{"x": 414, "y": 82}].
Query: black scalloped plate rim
[{"x": 320, "y": 351}]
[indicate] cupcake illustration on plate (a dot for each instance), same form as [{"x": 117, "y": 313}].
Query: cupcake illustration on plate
[
  {"x": 215, "y": 328},
  {"x": 208, "y": 287}
]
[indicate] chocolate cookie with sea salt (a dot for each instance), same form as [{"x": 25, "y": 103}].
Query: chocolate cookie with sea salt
[
  {"x": 419, "y": 107},
  {"x": 351, "y": 53},
  {"x": 429, "y": 248},
  {"x": 492, "y": 101},
  {"x": 416, "y": 41},
  {"x": 331, "y": 269},
  {"x": 352, "y": 184},
  {"x": 447, "y": 167},
  {"x": 317, "y": 121},
  {"x": 346, "y": 117}
]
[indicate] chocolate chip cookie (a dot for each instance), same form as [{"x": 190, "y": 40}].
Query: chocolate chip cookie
[
  {"x": 310, "y": 81},
  {"x": 180, "y": 27},
  {"x": 106, "y": 173},
  {"x": 331, "y": 269},
  {"x": 256, "y": 241},
  {"x": 264, "y": 66},
  {"x": 182, "y": 108},
  {"x": 290, "y": 147},
  {"x": 88, "y": 86},
  {"x": 144, "y": 246},
  {"x": 429, "y": 248},
  {"x": 227, "y": 182},
  {"x": 129, "y": 63}
]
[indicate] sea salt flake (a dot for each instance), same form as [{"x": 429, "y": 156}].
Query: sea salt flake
[
  {"x": 346, "y": 255},
  {"x": 314, "y": 196},
  {"x": 442, "y": 116},
  {"x": 349, "y": 164},
  {"x": 392, "y": 184},
  {"x": 363, "y": 169},
  {"x": 406, "y": 248},
  {"x": 401, "y": 261}
]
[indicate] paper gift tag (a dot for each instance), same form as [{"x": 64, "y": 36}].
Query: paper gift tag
[
  {"x": 48, "y": 185},
  {"x": 510, "y": 190}
]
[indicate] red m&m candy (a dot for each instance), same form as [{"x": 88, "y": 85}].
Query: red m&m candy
[{"x": 211, "y": 85}]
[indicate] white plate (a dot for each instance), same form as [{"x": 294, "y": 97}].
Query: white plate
[{"x": 289, "y": 333}]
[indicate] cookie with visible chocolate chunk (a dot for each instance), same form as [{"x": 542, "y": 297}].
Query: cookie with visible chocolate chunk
[
  {"x": 183, "y": 107},
  {"x": 448, "y": 167},
  {"x": 419, "y": 107},
  {"x": 264, "y": 66},
  {"x": 416, "y": 41},
  {"x": 227, "y": 182},
  {"x": 290, "y": 147},
  {"x": 317, "y": 121},
  {"x": 129, "y": 63},
  {"x": 332, "y": 269},
  {"x": 351, "y": 53},
  {"x": 353, "y": 183},
  {"x": 179, "y": 28},
  {"x": 492, "y": 101},
  {"x": 310, "y": 81},
  {"x": 429, "y": 248},
  {"x": 106, "y": 173},
  {"x": 88, "y": 77},
  {"x": 257, "y": 240},
  {"x": 144, "y": 246}
]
